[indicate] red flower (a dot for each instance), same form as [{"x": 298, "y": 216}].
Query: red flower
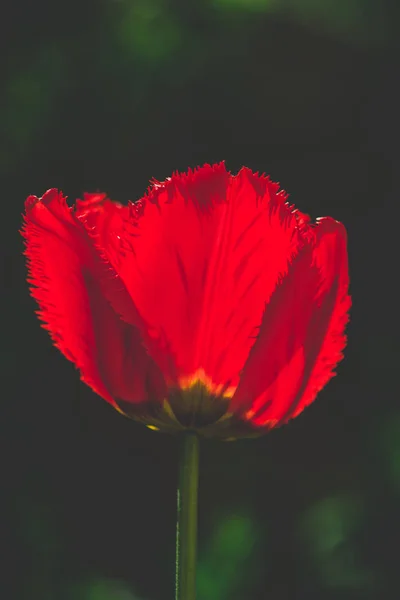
[{"x": 211, "y": 304}]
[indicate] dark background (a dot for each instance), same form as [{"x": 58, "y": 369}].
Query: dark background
[{"x": 104, "y": 96}]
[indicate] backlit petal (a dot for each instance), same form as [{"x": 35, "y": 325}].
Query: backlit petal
[
  {"x": 302, "y": 333},
  {"x": 201, "y": 255},
  {"x": 104, "y": 221},
  {"x": 64, "y": 270}
]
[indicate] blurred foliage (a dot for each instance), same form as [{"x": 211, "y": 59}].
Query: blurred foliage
[
  {"x": 41, "y": 547},
  {"x": 103, "y": 589},
  {"x": 29, "y": 101},
  {"x": 330, "y": 529},
  {"x": 223, "y": 567},
  {"x": 151, "y": 32},
  {"x": 362, "y": 21},
  {"x": 147, "y": 29},
  {"x": 251, "y": 5},
  {"x": 389, "y": 445}
]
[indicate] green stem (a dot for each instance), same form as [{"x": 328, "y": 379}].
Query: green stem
[{"x": 186, "y": 526}]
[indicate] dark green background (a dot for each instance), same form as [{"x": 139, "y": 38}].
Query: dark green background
[{"x": 104, "y": 96}]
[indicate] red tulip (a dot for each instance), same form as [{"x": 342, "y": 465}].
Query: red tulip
[{"x": 212, "y": 304}]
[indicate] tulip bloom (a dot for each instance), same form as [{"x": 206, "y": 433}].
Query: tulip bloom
[{"x": 210, "y": 305}]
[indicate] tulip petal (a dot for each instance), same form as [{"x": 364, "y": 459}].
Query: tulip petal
[
  {"x": 201, "y": 255},
  {"x": 104, "y": 221},
  {"x": 301, "y": 338},
  {"x": 65, "y": 273}
]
